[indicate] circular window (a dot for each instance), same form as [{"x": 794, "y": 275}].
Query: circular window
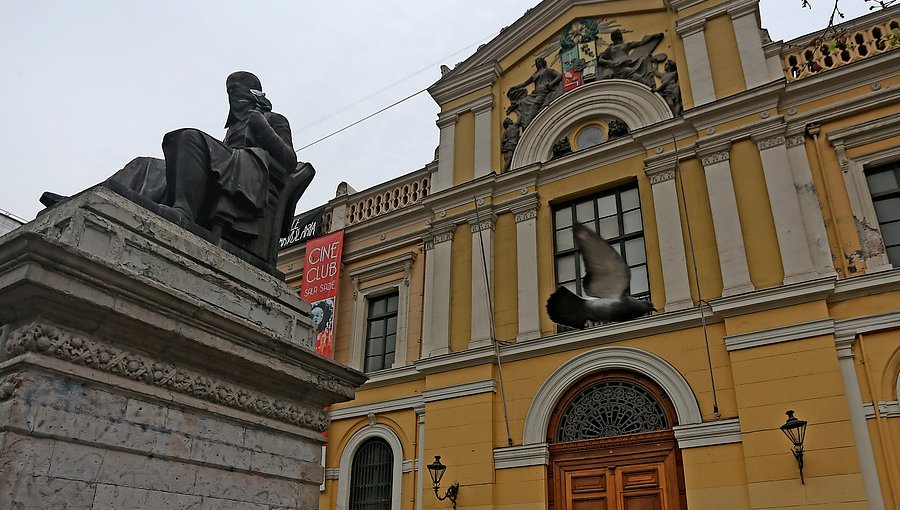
[{"x": 589, "y": 136}]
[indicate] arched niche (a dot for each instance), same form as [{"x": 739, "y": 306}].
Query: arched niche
[
  {"x": 629, "y": 101},
  {"x": 360, "y": 437},
  {"x": 609, "y": 358}
]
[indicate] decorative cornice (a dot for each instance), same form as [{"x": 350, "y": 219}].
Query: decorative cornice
[
  {"x": 779, "y": 335},
  {"x": 885, "y": 409},
  {"x": 612, "y": 442},
  {"x": 776, "y": 297},
  {"x": 709, "y": 433},
  {"x": 358, "y": 411},
  {"x": 54, "y": 342},
  {"x": 460, "y": 84},
  {"x": 847, "y": 329},
  {"x": 522, "y": 456},
  {"x": 768, "y": 143},
  {"x": 393, "y": 265},
  {"x": 866, "y": 133},
  {"x": 677, "y": 5},
  {"x": 460, "y": 390}
]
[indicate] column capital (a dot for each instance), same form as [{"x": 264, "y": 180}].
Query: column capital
[
  {"x": 483, "y": 221},
  {"x": 447, "y": 119},
  {"x": 715, "y": 157},
  {"x": 793, "y": 141},
  {"x": 527, "y": 209},
  {"x": 769, "y": 142}
]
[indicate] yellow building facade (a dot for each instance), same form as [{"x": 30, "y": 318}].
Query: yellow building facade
[{"x": 755, "y": 195}]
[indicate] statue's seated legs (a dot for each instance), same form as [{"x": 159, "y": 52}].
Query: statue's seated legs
[{"x": 187, "y": 173}]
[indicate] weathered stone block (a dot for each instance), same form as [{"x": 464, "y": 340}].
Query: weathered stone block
[{"x": 172, "y": 374}]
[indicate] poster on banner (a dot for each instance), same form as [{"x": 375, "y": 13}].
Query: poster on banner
[{"x": 321, "y": 272}]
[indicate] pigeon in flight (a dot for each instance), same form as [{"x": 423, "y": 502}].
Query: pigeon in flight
[{"x": 605, "y": 281}]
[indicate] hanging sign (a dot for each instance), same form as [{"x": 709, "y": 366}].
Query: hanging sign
[{"x": 321, "y": 272}]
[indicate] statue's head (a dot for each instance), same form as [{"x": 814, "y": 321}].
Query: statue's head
[
  {"x": 670, "y": 66},
  {"x": 242, "y": 80},
  {"x": 616, "y": 36},
  {"x": 507, "y": 122},
  {"x": 540, "y": 63}
]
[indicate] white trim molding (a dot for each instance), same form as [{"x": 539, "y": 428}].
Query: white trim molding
[
  {"x": 400, "y": 267},
  {"x": 629, "y": 101},
  {"x": 709, "y": 433},
  {"x": 369, "y": 432},
  {"x": 608, "y": 358},
  {"x": 460, "y": 390},
  {"x": 885, "y": 409},
  {"x": 779, "y": 335},
  {"x": 522, "y": 456}
]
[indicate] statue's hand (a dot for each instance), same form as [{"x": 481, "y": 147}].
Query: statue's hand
[{"x": 256, "y": 120}]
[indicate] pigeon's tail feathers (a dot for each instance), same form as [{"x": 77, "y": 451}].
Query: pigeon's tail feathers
[{"x": 566, "y": 308}]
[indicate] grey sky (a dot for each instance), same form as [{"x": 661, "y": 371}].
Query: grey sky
[{"x": 91, "y": 84}]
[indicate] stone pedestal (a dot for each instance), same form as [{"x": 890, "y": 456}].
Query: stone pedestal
[{"x": 143, "y": 367}]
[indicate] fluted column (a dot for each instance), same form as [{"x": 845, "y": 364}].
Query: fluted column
[
  {"x": 446, "y": 150},
  {"x": 436, "y": 309},
  {"x": 726, "y": 221},
  {"x": 795, "y": 253},
  {"x": 482, "y": 277},
  {"x": 670, "y": 234},
  {"x": 526, "y": 271}
]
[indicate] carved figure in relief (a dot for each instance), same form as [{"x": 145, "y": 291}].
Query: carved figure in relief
[
  {"x": 547, "y": 87},
  {"x": 509, "y": 141},
  {"x": 668, "y": 87},
  {"x": 632, "y": 60}
]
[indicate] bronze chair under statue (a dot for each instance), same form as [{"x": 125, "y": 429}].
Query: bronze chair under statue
[{"x": 242, "y": 190}]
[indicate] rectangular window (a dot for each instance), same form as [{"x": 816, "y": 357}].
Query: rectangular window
[
  {"x": 884, "y": 184},
  {"x": 616, "y": 215},
  {"x": 381, "y": 332}
]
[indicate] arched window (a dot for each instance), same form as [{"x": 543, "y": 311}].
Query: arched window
[
  {"x": 371, "y": 476},
  {"x": 610, "y": 408},
  {"x": 609, "y": 404}
]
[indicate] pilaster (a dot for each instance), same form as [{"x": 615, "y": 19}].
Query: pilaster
[
  {"x": 744, "y": 19},
  {"x": 699, "y": 70},
  {"x": 526, "y": 269},
  {"x": 483, "y": 126},
  {"x": 482, "y": 227},
  {"x": 671, "y": 237},
  {"x": 795, "y": 253},
  {"x": 810, "y": 209},
  {"x": 446, "y": 150},
  {"x": 436, "y": 312},
  {"x": 726, "y": 221}
]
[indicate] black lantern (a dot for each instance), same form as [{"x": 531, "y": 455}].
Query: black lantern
[
  {"x": 795, "y": 430},
  {"x": 436, "y": 470}
]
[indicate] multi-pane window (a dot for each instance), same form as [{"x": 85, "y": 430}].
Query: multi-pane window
[
  {"x": 884, "y": 184},
  {"x": 616, "y": 215},
  {"x": 371, "y": 476},
  {"x": 381, "y": 332}
]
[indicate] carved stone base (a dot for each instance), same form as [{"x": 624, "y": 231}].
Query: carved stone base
[{"x": 142, "y": 367}]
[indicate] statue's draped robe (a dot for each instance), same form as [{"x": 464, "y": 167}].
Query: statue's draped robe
[{"x": 239, "y": 176}]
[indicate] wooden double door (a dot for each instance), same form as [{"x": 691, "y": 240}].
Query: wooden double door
[{"x": 639, "y": 472}]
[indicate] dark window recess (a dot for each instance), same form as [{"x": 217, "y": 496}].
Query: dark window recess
[
  {"x": 616, "y": 215},
  {"x": 381, "y": 332},
  {"x": 371, "y": 476},
  {"x": 884, "y": 184}
]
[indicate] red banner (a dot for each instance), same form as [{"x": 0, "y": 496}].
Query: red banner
[{"x": 321, "y": 272}]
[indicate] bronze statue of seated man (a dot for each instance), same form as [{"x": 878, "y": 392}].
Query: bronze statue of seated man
[{"x": 242, "y": 189}]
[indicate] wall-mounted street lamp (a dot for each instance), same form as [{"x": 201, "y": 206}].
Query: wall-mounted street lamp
[
  {"x": 436, "y": 470},
  {"x": 795, "y": 430}
]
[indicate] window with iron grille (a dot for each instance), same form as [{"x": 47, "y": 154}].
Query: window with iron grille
[
  {"x": 616, "y": 215},
  {"x": 884, "y": 184},
  {"x": 371, "y": 476},
  {"x": 381, "y": 332}
]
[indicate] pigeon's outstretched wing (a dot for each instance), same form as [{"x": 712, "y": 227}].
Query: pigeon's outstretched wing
[
  {"x": 566, "y": 308},
  {"x": 606, "y": 274}
]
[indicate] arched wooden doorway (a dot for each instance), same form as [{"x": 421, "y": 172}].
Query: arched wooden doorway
[{"x": 612, "y": 446}]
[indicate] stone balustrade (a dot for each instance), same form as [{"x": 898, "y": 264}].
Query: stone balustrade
[{"x": 848, "y": 46}]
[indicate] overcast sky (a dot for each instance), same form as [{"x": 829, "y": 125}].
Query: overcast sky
[{"x": 89, "y": 85}]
